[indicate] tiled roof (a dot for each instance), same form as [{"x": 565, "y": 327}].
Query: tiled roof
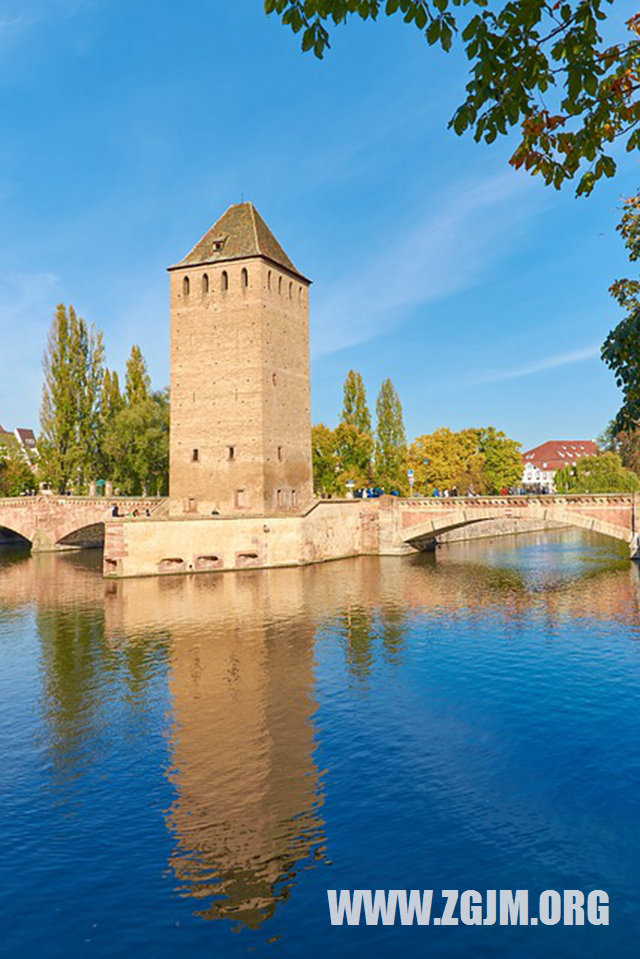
[
  {"x": 555, "y": 454},
  {"x": 27, "y": 437},
  {"x": 238, "y": 234}
]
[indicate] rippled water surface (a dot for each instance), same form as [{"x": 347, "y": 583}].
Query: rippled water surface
[{"x": 188, "y": 764}]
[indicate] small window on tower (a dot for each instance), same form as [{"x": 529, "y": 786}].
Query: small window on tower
[
  {"x": 269, "y": 280},
  {"x": 291, "y": 291},
  {"x": 280, "y": 454},
  {"x": 231, "y": 452},
  {"x": 280, "y": 497},
  {"x": 205, "y": 283},
  {"x": 280, "y": 285},
  {"x": 244, "y": 278},
  {"x": 294, "y": 498},
  {"x": 195, "y": 456},
  {"x": 274, "y": 378},
  {"x": 185, "y": 286},
  {"x": 240, "y": 498},
  {"x": 224, "y": 280}
]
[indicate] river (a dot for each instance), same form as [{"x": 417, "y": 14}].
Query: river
[{"x": 189, "y": 763}]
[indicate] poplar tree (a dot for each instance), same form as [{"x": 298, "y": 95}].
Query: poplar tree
[
  {"x": 88, "y": 376},
  {"x": 138, "y": 382},
  {"x": 391, "y": 442},
  {"x": 354, "y": 440},
  {"x": 71, "y": 396},
  {"x": 355, "y": 411},
  {"x": 112, "y": 403}
]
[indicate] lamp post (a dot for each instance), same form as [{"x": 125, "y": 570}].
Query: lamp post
[{"x": 426, "y": 484}]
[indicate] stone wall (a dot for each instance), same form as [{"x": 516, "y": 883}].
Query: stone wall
[
  {"x": 240, "y": 393},
  {"x": 497, "y": 527},
  {"x": 148, "y": 547}
]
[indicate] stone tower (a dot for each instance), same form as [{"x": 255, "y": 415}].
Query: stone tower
[{"x": 240, "y": 389}]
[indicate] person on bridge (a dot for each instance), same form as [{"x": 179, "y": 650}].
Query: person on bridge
[{"x": 114, "y": 510}]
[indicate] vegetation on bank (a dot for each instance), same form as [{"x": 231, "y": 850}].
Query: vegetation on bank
[
  {"x": 353, "y": 455},
  {"x": 597, "y": 474},
  {"x": 16, "y": 475},
  {"x": 89, "y": 429}
]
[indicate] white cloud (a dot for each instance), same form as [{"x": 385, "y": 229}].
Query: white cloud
[
  {"x": 446, "y": 251},
  {"x": 542, "y": 365}
]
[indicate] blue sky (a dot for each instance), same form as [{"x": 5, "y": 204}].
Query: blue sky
[{"x": 127, "y": 129}]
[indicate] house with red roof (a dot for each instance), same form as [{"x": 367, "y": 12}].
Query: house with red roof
[{"x": 542, "y": 462}]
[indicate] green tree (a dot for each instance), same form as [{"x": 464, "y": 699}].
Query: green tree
[
  {"x": 325, "y": 461},
  {"x": 112, "y": 403},
  {"x": 621, "y": 349},
  {"x": 88, "y": 375},
  {"x": 482, "y": 460},
  {"x": 502, "y": 459},
  {"x": 71, "y": 397},
  {"x": 137, "y": 443},
  {"x": 138, "y": 382},
  {"x": 112, "y": 400},
  {"x": 355, "y": 411},
  {"x": 603, "y": 473},
  {"x": 626, "y": 443},
  {"x": 16, "y": 474},
  {"x": 536, "y": 65},
  {"x": 391, "y": 442},
  {"x": 354, "y": 439},
  {"x": 450, "y": 460}
]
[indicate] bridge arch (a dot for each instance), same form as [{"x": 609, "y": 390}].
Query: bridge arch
[
  {"x": 419, "y": 534},
  {"x": 89, "y": 536},
  {"x": 23, "y": 536}
]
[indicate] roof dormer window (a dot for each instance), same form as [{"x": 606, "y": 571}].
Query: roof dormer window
[{"x": 218, "y": 243}]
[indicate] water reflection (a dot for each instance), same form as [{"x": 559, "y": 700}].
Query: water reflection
[
  {"x": 236, "y": 656},
  {"x": 248, "y": 794}
]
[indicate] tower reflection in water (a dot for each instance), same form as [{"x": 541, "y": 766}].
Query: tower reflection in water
[{"x": 246, "y": 815}]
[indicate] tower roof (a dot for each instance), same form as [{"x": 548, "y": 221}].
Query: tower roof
[{"x": 239, "y": 233}]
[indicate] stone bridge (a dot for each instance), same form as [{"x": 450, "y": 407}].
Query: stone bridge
[
  {"x": 418, "y": 523},
  {"x": 60, "y": 522}
]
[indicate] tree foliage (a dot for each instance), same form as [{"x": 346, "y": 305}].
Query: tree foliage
[
  {"x": 138, "y": 381},
  {"x": 477, "y": 460},
  {"x": 540, "y": 66},
  {"x": 326, "y": 467},
  {"x": 355, "y": 411},
  {"x": 621, "y": 349},
  {"x": 89, "y": 430},
  {"x": 16, "y": 475},
  {"x": 137, "y": 443},
  {"x": 353, "y": 437},
  {"x": 70, "y": 415},
  {"x": 390, "y": 472},
  {"x": 603, "y": 473}
]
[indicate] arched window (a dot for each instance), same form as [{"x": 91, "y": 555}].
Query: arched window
[
  {"x": 224, "y": 280},
  {"x": 280, "y": 285},
  {"x": 244, "y": 278},
  {"x": 185, "y": 286},
  {"x": 299, "y": 294},
  {"x": 205, "y": 283},
  {"x": 290, "y": 291},
  {"x": 269, "y": 280}
]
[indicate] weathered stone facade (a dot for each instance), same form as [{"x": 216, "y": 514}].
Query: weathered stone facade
[
  {"x": 240, "y": 381},
  {"x": 332, "y": 529}
]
